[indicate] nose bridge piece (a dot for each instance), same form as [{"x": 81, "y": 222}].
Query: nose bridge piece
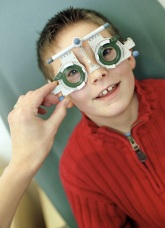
[{"x": 92, "y": 67}]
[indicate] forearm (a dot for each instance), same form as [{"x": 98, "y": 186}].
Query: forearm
[
  {"x": 32, "y": 139},
  {"x": 13, "y": 184}
]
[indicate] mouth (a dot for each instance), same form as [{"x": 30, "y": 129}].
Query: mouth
[{"x": 108, "y": 90}]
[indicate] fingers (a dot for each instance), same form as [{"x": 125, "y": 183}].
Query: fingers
[
  {"x": 31, "y": 133},
  {"x": 49, "y": 100},
  {"x": 20, "y": 98},
  {"x": 36, "y": 98},
  {"x": 44, "y": 91},
  {"x": 58, "y": 115},
  {"x": 10, "y": 116},
  {"x": 41, "y": 111},
  {"x": 31, "y": 103},
  {"x": 41, "y": 96}
]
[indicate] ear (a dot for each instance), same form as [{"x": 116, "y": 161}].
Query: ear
[{"x": 132, "y": 62}]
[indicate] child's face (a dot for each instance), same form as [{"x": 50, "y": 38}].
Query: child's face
[{"x": 108, "y": 92}]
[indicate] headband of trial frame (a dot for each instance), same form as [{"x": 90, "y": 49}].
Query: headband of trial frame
[{"x": 77, "y": 42}]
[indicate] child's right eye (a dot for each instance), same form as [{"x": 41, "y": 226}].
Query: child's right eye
[{"x": 73, "y": 76}]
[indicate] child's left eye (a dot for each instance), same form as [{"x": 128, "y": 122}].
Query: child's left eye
[{"x": 109, "y": 54}]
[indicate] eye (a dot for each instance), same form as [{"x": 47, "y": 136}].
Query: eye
[
  {"x": 109, "y": 54},
  {"x": 73, "y": 76}
]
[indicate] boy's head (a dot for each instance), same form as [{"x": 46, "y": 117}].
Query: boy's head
[
  {"x": 107, "y": 92},
  {"x": 59, "y": 23}
]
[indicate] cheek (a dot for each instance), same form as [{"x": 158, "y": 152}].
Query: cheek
[
  {"x": 79, "y": 97},
  {"x": 76, "y": 95},
  {"x": 126, "y": 72}
]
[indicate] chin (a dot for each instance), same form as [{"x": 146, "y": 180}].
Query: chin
[{"x": 118, "y": 110}]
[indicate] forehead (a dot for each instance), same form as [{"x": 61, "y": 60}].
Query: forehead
[
  {"x": 66, "y": 36},
  {"x": 80, "y": 29}
]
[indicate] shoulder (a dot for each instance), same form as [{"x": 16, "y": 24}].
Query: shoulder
[
  {"x": 154, "y": 87},
  {"x": 155, "y": 82},
  {"x": 153, "y": 90}
]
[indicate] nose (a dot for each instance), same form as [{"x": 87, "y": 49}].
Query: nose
[
  {"x": 95, "y": 71},
  {"x": 97, "y": 75}
]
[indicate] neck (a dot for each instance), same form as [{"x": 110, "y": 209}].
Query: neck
[{"x": 123, "y": 122}]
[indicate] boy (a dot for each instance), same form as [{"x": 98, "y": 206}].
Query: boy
[{"x": 113, "y": 166}]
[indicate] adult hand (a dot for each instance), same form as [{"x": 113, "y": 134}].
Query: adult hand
[
  {"x": 32, "y": 139},
  {"x": 31, "y": 136}
]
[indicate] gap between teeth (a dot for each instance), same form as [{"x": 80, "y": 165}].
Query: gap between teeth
[{"x": 106, "y": 90}]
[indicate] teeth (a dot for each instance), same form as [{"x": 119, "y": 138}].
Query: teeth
[
  {"x": 106, "y": 90},
  {"x": 110, "y": 88},
  {"x": 103, "y": 93}
]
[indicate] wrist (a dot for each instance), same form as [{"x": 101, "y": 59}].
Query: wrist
[
  {"x": 21, "y": 169},
  {"x": 27, "y": 162}
]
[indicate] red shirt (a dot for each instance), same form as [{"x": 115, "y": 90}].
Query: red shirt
[{"x": 106, "y": 183}]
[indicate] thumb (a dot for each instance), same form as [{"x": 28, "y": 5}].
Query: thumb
[{"x": 58, "y": 115}]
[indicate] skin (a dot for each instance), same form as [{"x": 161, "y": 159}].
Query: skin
[
  {"x": 118, "y": 109},
  {"x": 32, "y": 139}
]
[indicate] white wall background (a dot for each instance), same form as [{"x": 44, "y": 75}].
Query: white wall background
[
  {"x": 162, "y": 2},
  {"x": 5, "y": 142}
]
